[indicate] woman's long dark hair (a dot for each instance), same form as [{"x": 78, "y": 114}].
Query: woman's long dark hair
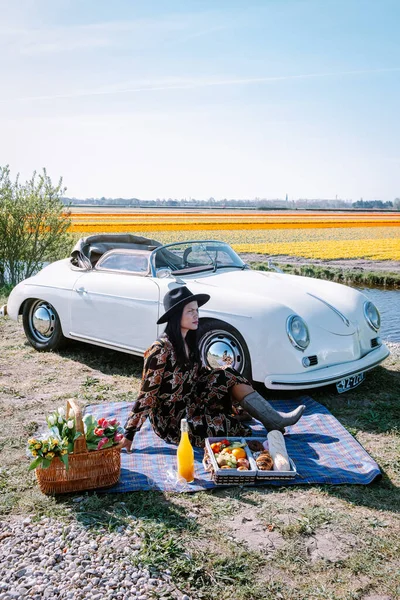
[{"x": 174, "y": 333}]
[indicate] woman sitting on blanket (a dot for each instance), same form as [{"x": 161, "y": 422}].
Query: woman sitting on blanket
[{"x": 176, "y": 386}]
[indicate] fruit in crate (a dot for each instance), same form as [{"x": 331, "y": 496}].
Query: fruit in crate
[
  {"x": 225, "y": 460},
  {"x": 239, "y": 453},
  {"x": 230, "y": 455},
  {"x": 216, "y": 447},
  {"x": 221, "y": 460}
]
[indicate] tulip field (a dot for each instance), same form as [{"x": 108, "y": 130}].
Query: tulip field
[{"x": 372, "y": 236}]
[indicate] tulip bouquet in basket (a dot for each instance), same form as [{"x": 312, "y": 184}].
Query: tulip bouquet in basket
[
  {"x": 45, "y": 450},
  {"x": 63, "y": 428},
  {"x": 59, "y": 440},
  {"x": 103, "y": 433},
  {"x": 58, "y": 443}
]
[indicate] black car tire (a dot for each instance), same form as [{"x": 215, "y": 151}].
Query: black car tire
[
  {"x": 53, "y": 339},
  {"x": 211, "y": 330}
]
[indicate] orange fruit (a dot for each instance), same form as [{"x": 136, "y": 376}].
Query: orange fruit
[{"x": 239, "y": 453}]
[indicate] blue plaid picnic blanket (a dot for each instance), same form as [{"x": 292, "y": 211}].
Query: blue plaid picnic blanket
[{"x": 323, "y": 451}]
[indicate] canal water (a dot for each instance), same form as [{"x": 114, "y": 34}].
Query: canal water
[{"x": 388, "y": 304}]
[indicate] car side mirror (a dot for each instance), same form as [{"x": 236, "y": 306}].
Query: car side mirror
[{"x": 164, "y": 272}]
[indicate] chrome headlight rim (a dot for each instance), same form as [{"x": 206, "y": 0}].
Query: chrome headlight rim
[
  {"x": 293, "y": 340},
  {"x": 374, "y": 326}
]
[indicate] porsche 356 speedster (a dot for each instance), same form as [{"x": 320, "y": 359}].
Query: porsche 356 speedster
[{"x": 286, "y": 331}]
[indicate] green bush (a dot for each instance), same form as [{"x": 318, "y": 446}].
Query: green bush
[{"x": 33, "y": 225}]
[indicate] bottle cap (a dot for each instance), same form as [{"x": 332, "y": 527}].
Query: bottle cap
[{"x": 184, "y": 425}]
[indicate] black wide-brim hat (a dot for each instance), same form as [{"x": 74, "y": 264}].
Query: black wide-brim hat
[{"x": 177, "y": 298}]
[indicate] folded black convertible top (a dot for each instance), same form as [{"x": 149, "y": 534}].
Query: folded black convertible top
[{"x": 90, "y": 249}]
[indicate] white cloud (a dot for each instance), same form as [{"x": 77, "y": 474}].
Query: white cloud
[{"x": 181, "y": 83}]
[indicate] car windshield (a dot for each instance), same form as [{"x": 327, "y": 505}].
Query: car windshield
[{"x": 190, "y": 257}]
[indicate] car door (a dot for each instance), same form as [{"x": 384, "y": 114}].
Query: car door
[{"x": 116, "y": 309}]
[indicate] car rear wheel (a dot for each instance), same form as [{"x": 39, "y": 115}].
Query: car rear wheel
[
  {"x": 221, "y": 345},
  {"x": 42, "y": 325}
]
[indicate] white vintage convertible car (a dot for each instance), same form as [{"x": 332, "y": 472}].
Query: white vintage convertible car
[{"x": 286, "y": 331}]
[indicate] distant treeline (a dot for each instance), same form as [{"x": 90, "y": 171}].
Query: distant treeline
[
  {"x": 257, "y": 203},
  {"x": 375, "y": 204}
]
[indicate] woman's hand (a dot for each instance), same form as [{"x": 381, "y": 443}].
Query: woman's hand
[{"x": 126, "y": 444}]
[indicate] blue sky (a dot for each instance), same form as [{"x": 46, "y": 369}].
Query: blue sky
[{"x": 230, "y": 99}]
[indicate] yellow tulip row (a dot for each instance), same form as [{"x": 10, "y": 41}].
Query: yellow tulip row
[{"x": 371, "y": 249}]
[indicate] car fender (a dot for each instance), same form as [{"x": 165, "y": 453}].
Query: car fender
[
  {"x": 261, "y": 324},
  {"x": 52, "y": 284}
]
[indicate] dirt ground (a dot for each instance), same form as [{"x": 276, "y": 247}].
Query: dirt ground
[{"x": 391, "y": 266}]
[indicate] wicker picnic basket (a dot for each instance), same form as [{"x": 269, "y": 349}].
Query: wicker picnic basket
[{"x": 87, "y": 470}]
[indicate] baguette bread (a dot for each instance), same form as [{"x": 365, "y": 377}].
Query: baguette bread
[{"x": 277, "y": 449}]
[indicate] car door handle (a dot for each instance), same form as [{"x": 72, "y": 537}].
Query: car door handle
[{"x": 81, "y": 290}]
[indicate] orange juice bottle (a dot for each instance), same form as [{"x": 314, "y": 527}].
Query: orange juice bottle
[{"x": 185, "y": 454}]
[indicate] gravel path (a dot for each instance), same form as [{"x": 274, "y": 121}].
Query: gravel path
[{"x": 49, "y": 560}]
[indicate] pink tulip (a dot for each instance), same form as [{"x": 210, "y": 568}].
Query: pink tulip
[
  {"x": 102, "y": 442},
  {"x": 112, "y": 422},
  {"x": 118, "y": 437}
]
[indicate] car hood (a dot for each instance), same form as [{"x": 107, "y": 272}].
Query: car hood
[{"x": 327, "y": 305}]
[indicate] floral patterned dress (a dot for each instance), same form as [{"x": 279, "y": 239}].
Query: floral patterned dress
[{"x": 170, "y": 392}]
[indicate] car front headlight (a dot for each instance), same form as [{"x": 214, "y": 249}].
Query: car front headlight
[
  {"x": 372, "y": 315},
  {"x": 297, "y": 331}
]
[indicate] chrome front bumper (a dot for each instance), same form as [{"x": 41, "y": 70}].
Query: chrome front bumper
[
  {"x": 327, "y": 375},
  {"x": 3, "y": 310}
]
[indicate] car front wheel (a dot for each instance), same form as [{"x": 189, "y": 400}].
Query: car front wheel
[
  {"x": 221, "y": 345},
  {"x": 42, "y": 325}
]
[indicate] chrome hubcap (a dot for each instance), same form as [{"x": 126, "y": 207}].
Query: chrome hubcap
[
  {"x": 221, "y": 349},
  {"x": 42, "y": 321}
]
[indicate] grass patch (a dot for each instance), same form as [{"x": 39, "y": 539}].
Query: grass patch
[
  {"x": 190, "y": 534},
  {"x": 308, "y": 522}
]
